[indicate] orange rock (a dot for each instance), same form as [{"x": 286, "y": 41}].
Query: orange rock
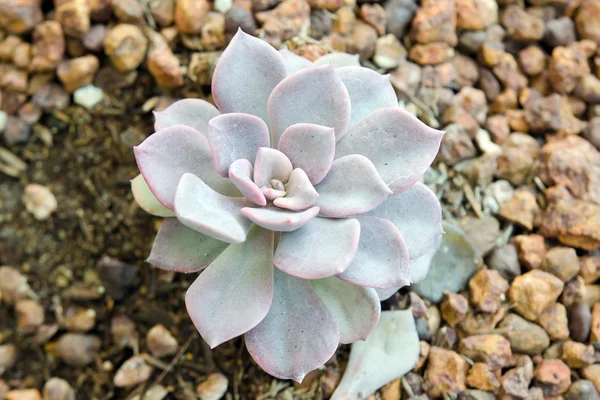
[
  {"x": 533, "y": 292},
  {"x": 566, "y": 66},
  {"x": 532, "y": 60},
  {"x": 431, "y": 53},
  {"x": 492, "y": 349},
  {"x": 164, "y": 67},
  {"x": 454, "y": 308},
  {"x": 482, "y": 377},
  {"x": 554, "y": 320},
  {"x": 522, "y": 209},
  {"x": 517, "y": 161},
  {"x": 587, "y": 19},
  {"x": 344, "y": 21},
  {"x": 48, "y": 46},
  {"x": 562, "y": 262},
  {"x": 553, "y": 376},
  {"x": 595, "y": 331},
  {"x": 73, "y": 16},
  {"x": 284, "y": 22},
  {"x": 125, "y": 45},
  {"x": 487, "y": 290},
  {"x": 446, "y": 372},
  {"x": 30, "y": 315},
  {"x": 577, "y": 355},
  {"x": 362, "y": 40},
  {"x": 374, "y": 15},
  {"x": 20, "y": 16},
  {"x": 78, "y": 72},
  {"x": 435, "y": 21},
  {"x": 189, "y": 15},
  {"x": 521, "y": 25},
  {"x": 423, "y": 354},
  {"x": 592, "y": 373},
  {"x": 508, "y": 72},
  {"x": 589, "y": 268},
  {"x": 531, "y": 250}
]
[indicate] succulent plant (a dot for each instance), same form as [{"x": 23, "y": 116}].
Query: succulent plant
[{"x": 298, "y": 197}]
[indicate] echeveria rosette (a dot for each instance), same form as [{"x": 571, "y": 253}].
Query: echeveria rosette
[{"x": 298, "y": 195}]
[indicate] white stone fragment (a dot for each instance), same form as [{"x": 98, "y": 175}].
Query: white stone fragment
[{"x": 88, "y": 96}]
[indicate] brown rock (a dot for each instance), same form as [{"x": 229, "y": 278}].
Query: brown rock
[
  {"x": 531, "y": 250},
  {"x": 50, "y": 97},
  {"x": 574, "y": 163},
  {"x": 78, "y": 72},
  {"x": 476, "y": 14},
  {"x": 491, "y": 349},
  {"x": 482, "y": 232},
  {"x": 577, "y": 355},
  {"x": 487, "y": 290},
  {"x": 374, "y": 15},
  {"x": 592, "y": 373},
  {"x": 134, "y": 371},
  {"x": 562, "y": 262},
  {"x": 24, "y": 394},
  {"x": 533, "y": 292},
  {"x": 521, "y": 25},
  {"x": 13, "y": 79},
  {"x": 553, "y": 377},
  {"x": 30, "y": 315},
  {"x": 456, "y": 145},
  {"x": 587, "y": 19},
  {"x": 213, "y": 388},
  {"x": 522, "y": 209},
  {"x": 482, "y": 377},
  {"x": 588, "y": 89},
  {"x": 508, "y": 73},
  {"x": 58, "y": 389},
  {"x": 163, "y": 12},
  {"x": 76, "y": 349},
  {"x": 431, "y": 53},
  {"x": 30, "y": 113},
  {"x": 446, "y": 372},
  {"x": 22, "y": 55},
  {"x": 582, "y": 390},
  {"x": 239, "y": 17},
  {"x": 514, "y": 384},
  {"x": 435, "y": 21},
  {"x": 128, "y": 11},
  {"x": 566, "y": 66},
  {"x": 504, "y": 101},
  {"x": 505, "y": 260},
  {"x": 423, "y": 355},
  {"x": 79, "y": 319},
  {"x": 498, "y": 128},
  {"x": 532, "y": 60},
  {"x": 592, "y": 132},
  {"x": 20, "y": 16},
  {"x": 454, "y": 308},
  {"x": 189, "y": 15},
  {"x": 552, "y": 113},
  {"x": 573, "y": 222},
  {"x": 595, "y": 324},
  {"x": 389, "y": 52},
  {"x": 574, "y": 292},
  {"x": 290, "y": 17},
  {"x": 344, "y": 21},
  {"x": 517, "y": 120},
  {"x": 524, "y": 337},
  {"x": 213, "y": 32},
  {"x": 8, "y": 357},
  {"x": 516, "y": 163},
  {"x": 580, "y": 321},
  {"x": 589, "y": 268},
  {"x": 94, "y": 38},
  {"x": 74, "y": 17},
  {"x": 125, "y": 45},
  {"x": 164, "y": 67},
  {"x": 489, "y": 84},
  {"x": 13, "y": 285},
  {"x": 123, "y": 331},
  {"x": 161, "y": 342},
  {"x": 554, "y": 320},
  {"x": 560, "y": 32}
]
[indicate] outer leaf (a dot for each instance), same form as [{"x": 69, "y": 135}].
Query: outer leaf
[
  {"x": 276, "y": 219},
  {"x": 417, "y": 215},
  {"x": 171, "y": 152},
  {"x": 382, "y": 259},
  {"x": 297, "y": 335},
  {"x": 419, "y": 267},
  {"x": 355, "y": 309},
  {"x": 321, "y": 248},
  {"x": 300, "y": 193},
  {"x": 351, "y": 187},
  {"x": 338, "y": 60},
  {"x": 271, "y": 164},
  {"x": 400, "y": 146},
  {"x": 294, "y": 62},
  {"x": 235, "y": 292},
  {"x": 369, "y": 91},
  {"x": 385, "y": 294},
  {"x": 146, "y": 200},
  {"x": 194, "y": 113},
  {"x": 314, "y": 95},
  {"x": 204, "y": 210},
  {"x": 246, "y": 74},
  {"x": 181, "y": 249},
  {"x": 391, "y": 350},
  {"x": 310, "y": 147},
  {"x": 235, "y": 136},
  {"x": 240, "y": 173}
]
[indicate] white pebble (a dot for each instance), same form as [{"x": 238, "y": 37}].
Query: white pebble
[
  {"x": 88, "y": 96},
  {"x": 223, "y": 5},
  {"x": 39, "y": 201},
  {"x": 3, "y": 120}
]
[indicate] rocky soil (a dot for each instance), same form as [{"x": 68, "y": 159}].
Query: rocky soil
[{"x": 512, "y": 309}]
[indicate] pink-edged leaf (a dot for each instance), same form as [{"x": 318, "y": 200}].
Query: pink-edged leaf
[
  {"x": 339, "y": 60},
  {"x": 310, "y": 147},
  {"x": 235, "y": 292},
  {"x": 171, "y": 152},
  {"x": 293, "y": 61},
  {"x": 240, "y": 173},
  {"x": 385, "y": 294},
  {"x": 418, "y": 216},
  {"x": 382, "y": 259},
  {"x": 322, "y": 247},
  {"x": 276, "y": 219},
  {"x": 199, "y": 207},
  {"x": 194, "y": 113},
  {"x": 351, "y": 187},
  {"x": 300, "y": 192},
  {"x": 391, "y": 350},
  {"x": 146, "y": 199},
  {"x": 272, "y": 194},
  {"x": 355, "y": 309},
  {"x": 297, "y": 335},
  {"x": 369, "y": 91},
  {"x": 235, "y": 136},
  {"x": 271, "y": 164},
  {"x": 181, "y": 249},
  {"x": 314, "y": 95},
  {"x": 399, "y": 145},
  {"x": 419, "y": 267},
  {"x": 246, "y": 74}
]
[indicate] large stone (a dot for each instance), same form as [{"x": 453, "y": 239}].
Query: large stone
[{"x": 533, "y": 292}]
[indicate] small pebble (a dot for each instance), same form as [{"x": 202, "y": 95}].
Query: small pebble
[
  {"x": 492, "y": 349},
  {"x": 533, "y": 292},
  {"x": 562, "y": 262},
  {"x": 580, "y": 321},
  {"x": 482, "y": 377},
  {"x": 582, "y": 390},
  {"x": 13, "y": 285},
  {"x": 8, "y": 357},
  {"x": 133, "y": 372},
  {"x": 77, "y": 349},
  {"x": 161, "y": 342},
  {"x": 446, "y": 372},
  {"x": 554, "y": 320},
  {"x": 88, "y": 96},
  {"x": 156, "y": 392},
  {"x": 505, "y": 260},
  {"x": 577, "y": 355},
  {"x": 24, "y": 394},
  {"x": 123, "y": 331},
  {"x": 213, "y": 388},
  {"x": 58, "y": 389},
  {"x": 487, "y": 290},
  {"x": 454, "y": 308},
  {"x": 524, "y": 336},
  {"x": 79, "y": 319},
  {"x": 117, "y": 277},
  {"x": 126, "y": 45},
  {"x": 78, "y": 72},
  {"x": 30, "y": 315},
  {"x": 39, "y": 201},
  {"x": 3, "y": 120}
]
